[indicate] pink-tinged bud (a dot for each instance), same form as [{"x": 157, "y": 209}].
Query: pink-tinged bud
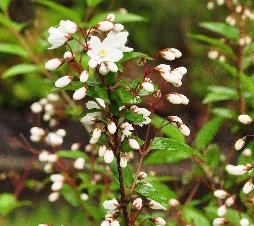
[
  {"x": 173, "y": 203},
  {"x": 118, "y": 27},
  {"x": 108, "y": 156},
  {"x": 221, "y": 194},
  {"x": 148, "y": 86},
  {"x": 79, "y": 163},
  {"x": 222, "y": 211},
  {"x": 240, "y": 143},
  {"x": 219, "y": 221},
  {"x": 79, "y": 94},
  {"x": 124, "y": 161},
  {"x": 184, "y": 130},
  {"x": 111, "y": 17},
  {"x": 137, "y": 203},
  {"x": 111, "y": 204},
  {"x": 159, "y": 221},
  {"x": 53, "y": 64},
  {"x": 248, "y": 187},
  {"x": 111, "y": 66},
  {"x": 105, "y": 26},
  {"x": 103, "y": 70},
  {"x": 134, "y": 144},
  {"x": 63, "y": 81},
  {"x": 68, "y": 56},
  {"x": 112, "y": 127},
  {"x": 245, "y": 119},
  {"x": 84, "y": 76}
]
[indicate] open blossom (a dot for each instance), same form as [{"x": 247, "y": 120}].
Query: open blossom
[{"x": 127, "y": 129}]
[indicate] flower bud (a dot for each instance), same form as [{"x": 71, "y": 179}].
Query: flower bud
[
  {"x": 244, "y": 222},
  {"x": 245, "y": 119},
  {"x": 219, "y": 221},
  {"x": 163, "y": 68},
  {"x": 170, "y": 54},
  {"x": 111, "y": 66},
  {"x": 156, "y": 206},
  {"x": 53, "y": 139},
  {"x": 111, "y": 17},
  {"x": 124, "y": 161},
  {"x": 84, "y": 197},
  {"x": 67, "y": 26},
  {"x": 105, "y": 26},
  {"x": 68, "y": 56},
  {"x": 134, "y": 144},
  {"x": 63, "y": 81},
  {"x": 56, "y": 186},
  {"x": 159, "y": 221},
  {"x": 248, "y": 187},
  {"x": 213, "y": 54},
  {"x": 79, "y": 94},
  {"x": 75, "y": 146},
  {"x": 142, "y": 175},
  {"x": 137, "y": 203},
  {"x": 221, "y": 194},
  {"x": 184, "y": 130},
  {"x": 148, "y": 86},
  {"x": 108, "y": 156},
  {"x": 53, "y": 64},
  {"x": 102, "y": 150},
  {"x": 84, "y": 76},
  {"x": 52, "y": 158},
  {"x": 61, "y": 132},
  {"x": 103, "y": 70},
  {"x": 230, "y": 201},
  {"x": 95, "y": 136},
  {"x": 112, "y": 127},
  {"x": 79, "y": 163},
  {"x": 54, "y": 196},
  {"x": 237, "y": 170},
  {"x": 43, "y": 156},
  {"x": 240, "y": 143},
  {"x": 56, "y": 177},
  {"x": 174, "y": 98},
  {"x": 247, "y": 152},
  {"x": 222, "y": 211},
  {"x": 111, "y": 204},
  {"x": 118, "y": 27},
  {"x": 36, "y": 107},
  {"x": 173, "y": 203},
  {"x": 48, "y": 168}
]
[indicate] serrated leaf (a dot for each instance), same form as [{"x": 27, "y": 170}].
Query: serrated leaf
[
  {"x": 13, "y": 49},
  {"x": 20, "y": 69},
  {"x": 222, "y": 29},
  {"x": 152, "y": 193},
  {"x": 71, "y": 154},
  {"x": 120, "y": 18},
  {"x": 64, "y": 11},
  {"x": 208, "y": 132},
  {"x": 169, "y": 130},
  {"x": 220, "y": 93},
  {"x": 168, "y": 144},
  {"x": 219, "y": 44}
]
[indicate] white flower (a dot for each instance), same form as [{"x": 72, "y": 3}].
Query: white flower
[
  {"x": 163, "y": 68},
  {"x": 248, "y": 187},
  {"x": 112, "y": 127},
  {"x": 75, "y": 146},
  {"x": 53, "y": 139},
  {"x": 173, "y": 203},
  {"x": 213, "y": 54},
  {"x": 247, "y": 152},
  {"x": 53, "y": 64},
  {"x": 118, "y": 27},
  {"x": 84, "y": 197},
  {"x": 94, "y": 105},
  {"x": 80, "y": 93},
  {"x": 111, "y": 66},
  {"x": 240, "y": 143},
  {"x": 176, "y": 98},
  {"x": 52, "y": 158},
  {"x": 170, "y": 53},
  {"x": 111, "y": 17},
  {"x": 37, "y": 131},
  {"x": 95, "y": 136},
  {"x": 108, "y": 156},
  {"x": 156, "y": 206},
  {"x": 148, "y": 86},
  {"x": 56, "y": 186},
  {"x": 222, "y": 211},
  {"x": 237, "y": 170},
  {"x": 137, "y": 203},
  {"x": 61, "y": 132},
  {"x": 105, "y": 26},
  {"x": 230, "y": 201},
  {"x": 159, "y": 221},
  {"x": 90, "y": 118},
  {"x": 54, "y": 196},
  {"x": 63, "y": 81},
  {"x": 102, "y": 150},
  {"x": 57, "y": 38},
  {"x": 84, "y": 76},
  {"x": 79, "y": 163},
  {"x": 36, "y": 107},
  {"x": 221, "y": 194},
  {"x": 43, "y": 156},
  {"x": 123, "y": 161},
  {"x": 56, "y": 177},
  {"x": 184, "y": 130},
  {"x": 68, "y": 56},
  {"x": 245, "y": 119},
  {"x": 244, "y": 222},
  {"x": 67, "y": 26},
  {"x": 111, "y": 204},
  {"x": 119, "y": 39},
  {"x": 134, "y": 144},
  {"x": 127, "y": 129},
  {"x": 219, "y": 221}
]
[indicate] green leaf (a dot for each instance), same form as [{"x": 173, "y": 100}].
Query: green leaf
[
  {"x": 4, "y": 4},
  {"x": 102, "y": 93},
  {"x": 13, "y": 49},
  {"x": 224, "y": 113},
  {"x": 169, "y": 130},
  {"x": 134, "y": 55},
  {"x": 248, "y": 84},
  {"x": 20, "y": 69},
  {"x": 8, "y": 23},
  {"x": 231, "y": 69},
  {"x": 71, "y": 154},
  {"x": 220, "y": 93},
  {"x": 62, "y": 10},
  {"x": 168, "y": 144},
  {"x": 207, "y": 133},
  {"x": 213, "y": 156},
  {"x": 70, "y": 195},
  {"x": 222, "y": 29},
  {"x": 152, "y": 193},
  {"x": 233, "y": 216},
  {"x": 93, "y": 2},
  {"x": 132, "y": 116},
  {"x": 219, "y": 44},
  {"x": 120, "y": 18},
  {"x": 127, "y": 173},
  {"x": 195, "y": 216}
]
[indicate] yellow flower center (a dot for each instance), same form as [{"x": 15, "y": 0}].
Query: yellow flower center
[{"x": 102, "y": 52}]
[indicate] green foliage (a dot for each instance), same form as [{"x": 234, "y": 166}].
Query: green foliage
[
  {"x": 20, "y": 69},
  {"x": 13, "y": 49},
  {"x": 4, "y": 4},
  {"x": 71, "y": 154},
  {"x": 195, "y": 216},
  {"x": 93, "y": 3},
  {"x": 207, "y": 133},
  {"x": 222, "y": 29}
]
